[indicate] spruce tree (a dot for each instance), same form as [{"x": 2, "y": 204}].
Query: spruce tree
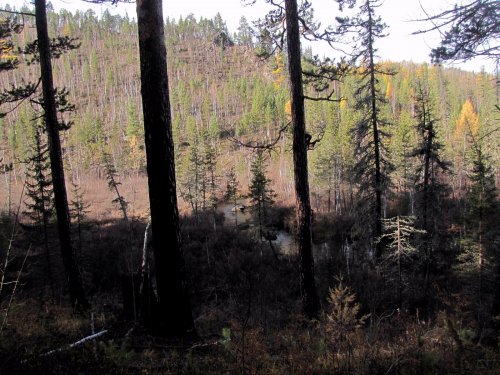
[
  {"x": 372, "y": 167},
  {"x": 192, "y": 178},
  {"x": 210, "y": 169},
  {"x": 39, "y": 191},
  {"x": 113, "y": 184},
  {"x": 430, "y": 190},
  {"x": 78, "y": 211},
  {"x": 481, "y": 216},
  {"x": 260, "y": 194},
  {"x": 231, "y": 193}
]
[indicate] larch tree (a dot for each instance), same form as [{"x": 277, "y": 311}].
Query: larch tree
[
  {"x": 467, "y": 127},
  {"x": 8, "y": 56},
  {"x": 175, "y": 316},
  {"x": 76, "y": 291}
]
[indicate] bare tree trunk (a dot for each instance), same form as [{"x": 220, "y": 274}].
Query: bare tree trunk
[
  {"x": 76, "y": 292},
  {"x": 304, "y": 213},
  {"x": 175, "y": 317}
]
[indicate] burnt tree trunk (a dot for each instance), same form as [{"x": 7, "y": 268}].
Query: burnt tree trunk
[
  {"x": 76, "y": 292},
  {"x": 174, "y": 305},
  {"x": 304, "y": 237}
]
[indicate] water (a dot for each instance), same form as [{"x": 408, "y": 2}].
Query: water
[{"x": 284, "y": 240}]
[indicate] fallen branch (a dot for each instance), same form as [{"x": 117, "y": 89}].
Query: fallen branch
[{"x": 79, "y": 342}]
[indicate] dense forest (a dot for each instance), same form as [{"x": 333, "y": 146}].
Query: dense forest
[{"x": 402, "y": 162}]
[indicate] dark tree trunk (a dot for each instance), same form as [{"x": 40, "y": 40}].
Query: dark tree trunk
[
  {"x": 376, "y": 138},
  {"x": 304, "y": 237},
  {"x": 426, "y": 198},
  {"x": 174, "y": 305},
  {"x": 76, "y": 292}
]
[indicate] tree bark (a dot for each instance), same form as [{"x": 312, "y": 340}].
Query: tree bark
[
  {"x": 304, "y": 213},
  {"x": 174, "y": 305},
  {"x": 76, "y": 292}
]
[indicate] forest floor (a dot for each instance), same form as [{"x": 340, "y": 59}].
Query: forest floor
[{"x": 246, "y": 307}]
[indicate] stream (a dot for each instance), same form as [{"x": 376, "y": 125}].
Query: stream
[{"x": 284, "y": 240}]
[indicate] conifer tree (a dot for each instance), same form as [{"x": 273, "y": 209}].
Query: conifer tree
[
  {"x": 113, "y": 184},
  {"x": 286, "y": 21},
  {"x": 39, "y": 191},
  {"x": 429, "y": 188},
  {"x": 401, "y": 233},
  {"x": 468, "y": 30},
  {"x": 78, "y": 210},
  {"x": 210, "y": 169},
  {"x": 8, "y": 57},
  {"x": 466, "y": 128},
  {"x": 481, "y": 216},
  {"x": 372, "y": 165},
  {"x": 260, "y": 194},
  {"x": 76, "y": 291},
  {"x": 192, "y": 178},
  {"x": 245, "y": 32},
  {"x": 231, "y": 193}
]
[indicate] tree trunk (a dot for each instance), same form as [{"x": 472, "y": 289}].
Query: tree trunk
[
  {"x": 400, "y": 277},
  {"x": 76, "y": 292},
  {"x": 304, "y": 237},
  {"x": 376, "y": 138},
  {"x": 174, "y": 305},
  {"x": 426, "y": 201}
]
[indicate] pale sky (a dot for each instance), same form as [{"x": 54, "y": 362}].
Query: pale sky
[{"x": 398, "y": 46}]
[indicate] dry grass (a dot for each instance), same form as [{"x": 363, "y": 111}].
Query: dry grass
[{"x": 246, "y": 307}]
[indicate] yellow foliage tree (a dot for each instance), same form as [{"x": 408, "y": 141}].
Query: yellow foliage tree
[
  {"x": 468, "y": 122},
  {"x": 136, "y": 155},
  {"x": 279, "y": 76},
  {"x": 7, "y": 53},
  {"x": 66, "y": 30},
  {"x": 288, "y": 108},
  {"x": 388, "y": 90}
]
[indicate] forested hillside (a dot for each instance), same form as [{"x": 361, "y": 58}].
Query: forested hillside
[
  {"x": 421, "y": 297},
  {"x": 221, "y": 90}
]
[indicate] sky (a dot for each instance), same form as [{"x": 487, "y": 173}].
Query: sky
[{"x": 399, "y": 45}]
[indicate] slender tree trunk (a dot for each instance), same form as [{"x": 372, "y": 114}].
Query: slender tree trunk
[
  {"x": 425, "y": 201},
  {"x": 304, "y": 213},
  {"x": 376, "y": 139},
  {"x": 76, "y": 292},
  {"x": 174, "y": 305},
  {"x": 235, "y": 211},
  {"x": 481, "y": 261},
  {"x": 400, "y": 277}
]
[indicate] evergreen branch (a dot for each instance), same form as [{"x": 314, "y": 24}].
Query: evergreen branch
[{"x": 17, "y": 12}]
